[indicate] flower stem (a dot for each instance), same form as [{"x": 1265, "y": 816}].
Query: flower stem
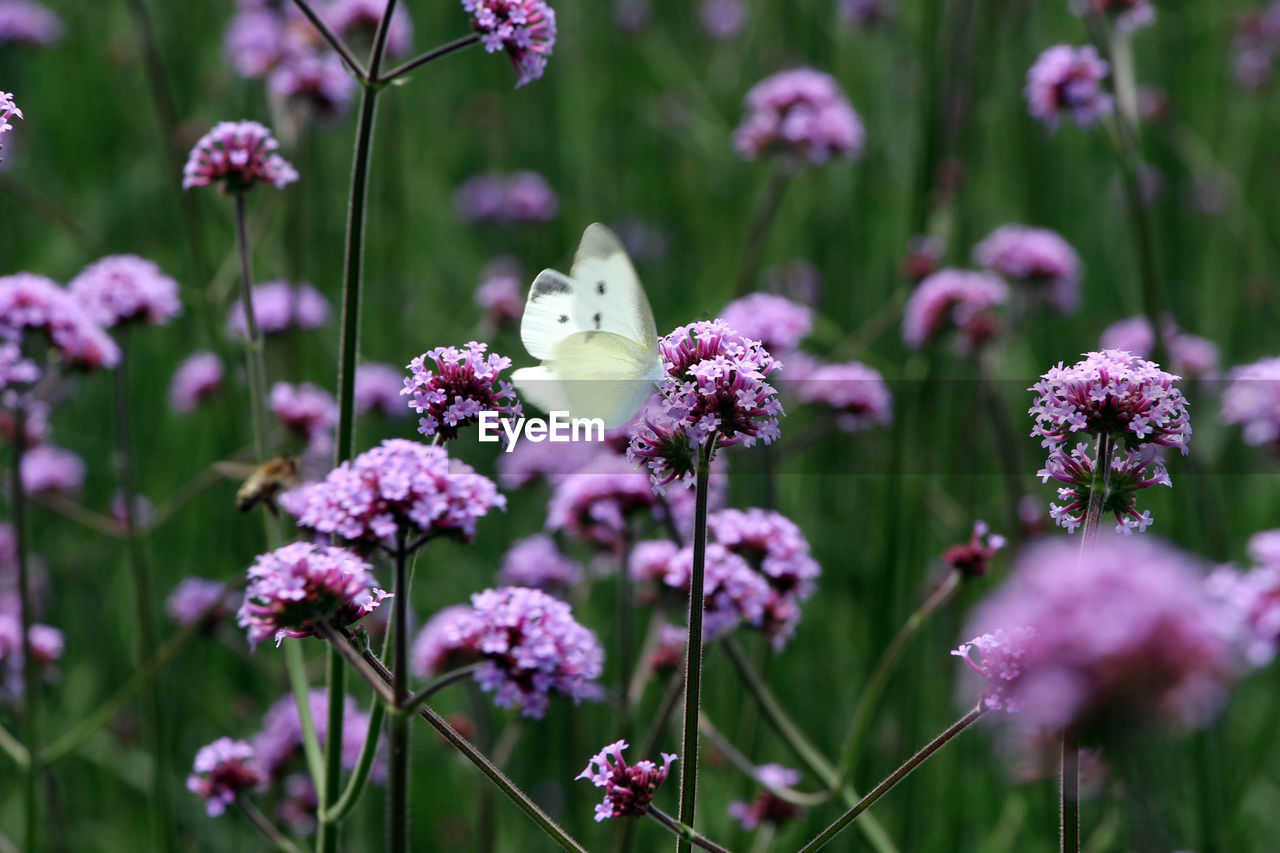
[
  {"x": 296, "y": 668},
  {"x": 30, "y": 678},
  {"x": 893, "y": 779},
  {"x": 761, "y": 221},
  {"x": 436, "y": 685},
  {"x": 626, "y": 618},
  {"x": 333, "y": 39},
  {"x": 871, "y": 693},
  {"x": 398, "y": 777},
  {"x": 675, "y": 689},
  {"x": 327, "y": 829},
  {"x": 1069, "y": 816},
  {"x": 435, "y": 53},
  {"x": 693, "y": 647},
  {"x": 1097, "y": 495},
  {"x": 255, "y": 365},
  {"x": 360, "y": 776},
  {"x": 143, "y": 595},
  {"x": 685, "y": 833},
  {"x": 266, "y": 827}
]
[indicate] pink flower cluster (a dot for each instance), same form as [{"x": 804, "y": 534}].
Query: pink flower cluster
[
  {"x": 307, "y": 410},
  {"x": 722, "y": 19},
  {"x": 293, "y": 588},
  {"x": 1037, "y": 258},
  {"x": 528, "y": 644},
  {"x": 1256, "y": 46},
  {"x": 197, "y": 379},
  {"x": 1128, "y": 15},
  {"x": 1131, "y": 472},
  {"x": 33, "y": 303},
  {"x": 592, "y": 505},
  {"x": 1067, "y": 80},
  {"x": 121, "y": 288},
  {"x": 398, "y": 484},
  {"x": 973, "y": 558},
  {"x": 768, "y": 807},
  {"x": 1189, "y": 355},
  {"x": 964, "y": 299},
  {"x": 802, "y": 114},
  {"x": 201, "y": 600},
  {"x": 278, "y": 306},
  {"x": 524, "y": 29},
  {"x": 46, "y": 646},
  {"x": 855, "y": 392},
  {"x": 51, "y": 470},
  {"x": 1254, "y": 598},
  {"x": 235, "y": 156},
  {"x": 1126, "y": 635},
  {"x": 449, "y": 387},
  {"x": 537, "y": 562},
  {"x": 1252, "y": 400},
  {"x": 27, "y": 22},
  {"x": 775, "y": 321},
  {"x": 501, "y": 292},
  {"x": 280, "y": 738},
  {"x": 378, "y": 388},
  {"x": 733, "y": 592},
  {"x": 224, "y": 770},
  {"x": 8, "y": 109},
  {"x": 628, "y": 788},
  {"x": 494, "y": 197}
]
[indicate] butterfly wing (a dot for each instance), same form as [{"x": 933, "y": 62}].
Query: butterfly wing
[{"x": 592, "y": 374}]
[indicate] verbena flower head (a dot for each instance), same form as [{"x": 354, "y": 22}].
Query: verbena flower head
[
  {"x": 278, "y": 306},
  {"x": 27, "y": 22},
  {"x": 399, "y": 483},
  {"x": 1037, "y": 258},
  {"x": 773, "y": 545},
  {"x": 593, "y": 504},
  {"x": 8, "y": 109},
  {"x": 15, "y": 371},
  {"x": 733, "y": 592},
  {"x": 120, "y": 288},
  {"x": 722, "y": 19},
  {"x": 528, "y": 644},
  {"x": 775, "y": 321},
  {"x": 1128, "y": 15},
  {"x": 1125, "y": 634},
  {"x": 1254, "y": 598},
  {"x": 46, "y": 647},
  {"x": 319, "y": 80},
  {"x": 1067, "y": 80},
  {"x": 973, "y": 558},
  {"x": 352, "y": 19},
  {"x": 1114, "y": 393},
  {"x": 628, "y": 788},
  {"x": 536, "y": 562},
  {"x": 803, "y": 115},
  {"x": 1256, "y": 45},
  {"x": 855, "y": 392},
  {"x": 768, "y": 807},
  {"x": 960, "y": 298},
  {"x": 307, "y": 410},
  {"x": 201, "y": 600},
  {"x": 530, "y": 462},
  {"x": 1190, "y": 356},
  {"x": 501, "y": 292},
  {"x": 224, "y": 770},
  {"x": 1131, "y": 472},
  {"x": 1252, "y": 400},
  {"x": 494, "y": 197},
  {"x": 293, "y": 588},
  {"x": 257, "y": 37},
  {"x": 235, "y": 156},
  {"x": 51, "y": 470},
  {"x": 449, "y": 387},
  {"x": 197, "y": 379},
  {"x": 32, "y": 303},
  {"x": 378, "y": 388},
  {"x": 524, "y": 29},
  {"x": 281, "y": 739}
]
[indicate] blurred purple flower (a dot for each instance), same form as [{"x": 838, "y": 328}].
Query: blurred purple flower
[
  {"x": 530, "y": 462},
  {"x": 378, "y": 388},
  {"x": 524, "y": 29},
  {"x": 26, "y": 22},
  {"x": 1256, "y": 45},
  {"x": 1189, "y": 356},
  {"x": 318, "y": 79},
  {"x": 46, "y": 647},
  {"x": 768, "y": 807},
  {"x": 722, "y": 19},
  {"x": 500, "y": 293},
  {"x": 632, "y": 16},
  {"x": 775, "y": 321},
  {"x": 592, "y": 505},
  {"x": 294, "y": 587},
  {"x": 733, "y": 592},
  {"x": 15, "y": 370},
  {"x": 8, "y": 109},
  {"x": 628, "y": 788},
  {"x": 1128, "y": 15},
  {"x": 799, "y": 281},
  {"x": 1068, "y": 80},
  {"x": 967, "y": 300},
  {"x": 973, "y": 558},
  {"x": 801, "y": 113},
  {"x": 280, "y": 738},
  {"x": 862, "y": 13},
  {"x": 855, "y": 392},
  {"x": 1252, "y": 400},
  {"x": 359, "y": 19},
  {"x": 279, "y": 305},
  {"x": 1131, "y": 471},
  {"x": 197, "y": 379},
  {"x": 523, "y": 196},
  {"x": 51, "y": 470},
  {"x": 306, "y": 410},
  {"x": 449, "y": 387},
  {"x": 537, "y": 562},
  {"x": 31, "y": 302},
  {"x": 1037, "y": 258},
  {"x": 120, "y": 288},
  {"x": 235, "y": 156},
  {"x": 201, "y": 599},
  {"x": 223, "y": 771},
  {"x": 256, "y": 39}
]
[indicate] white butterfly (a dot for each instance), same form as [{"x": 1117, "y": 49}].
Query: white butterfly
[{"x": 594, "y": 331}]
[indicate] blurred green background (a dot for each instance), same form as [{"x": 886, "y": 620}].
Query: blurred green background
[{"x": 637, "y": 125}]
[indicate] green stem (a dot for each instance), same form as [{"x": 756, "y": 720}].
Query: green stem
[
  {"x": 333, "y": 39},
  {"x": 14, "y": 749},
  {"x": 685, "y": 832},
  {"x": 398, "y": 775},
  {"x": 761, "y": 221},
  {"x": 297, "y": 670},
  {"x": 436, "y": 685},
  {"x": 1098, "y": 490},
  {"x": 266, "y": 827},
  {"x": 693, "y": 647},
  {"x": 143, "y": 595},
  {"x": 1070, "y": 811},
  {"x": 675, "y": 689},
  {"x": 30, "y": 677},
  {"x": 429, "y": 56},
  {"x": 871, "y": 693},
  {"x": 360, "y": 776},
  {"x": 749, "y": 769},
  {"x": 327, "y": 830},
  {"x": 626, "y": 618},
  {"x": 893, "y": 779},
  {"x": 255, "y": 365}
]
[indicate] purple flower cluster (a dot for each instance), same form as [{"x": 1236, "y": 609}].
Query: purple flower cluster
[
  {"x": 46, "y": 646},
  {"x": 1037, "y": 258},
  {"x": 798, "y": 280},
  {"x": 524, "y": 29},
  {"x": 201, "y": 600},
  {"x": 592, "y": 505},
  {"x": 8, "y": 109},
  {"x": 628, "y": 788},
  {"x": 733, "y": 592},
  {"x": 530, "y": 462},
  {"x": 1067, "y": 80},
  {"x": 528, "y": 644},
  {"x": 802, "y": 114},
  {"x": 773, "y": 545},
  {"x": 378, "y": 388},
  {"x": 500, "y": 293},
  {"x": 223, "y": 771},
  {"x": 964, "y": 299},
  {"x": 360, "y": 18},
  {"x": 1124, "y": 635},
  {"x": 399, "y": 483},
  {"x": 495, "y": 197},
  {"x": 1131, "y": 472},
  {"x": 15, "y": 370},
  {"x": 121, "y": 288},
  {"x": 235, "y": 156},
  {"x": 449, "y": 387},
  {"x": 973, "y": 558},
  {"x": 1189, "y": 355},
  {"x": 722, "y": 19},
  {"x": 278, "y": 306},
  {"x": 293, "y": 588},
  {"x": 280, "y": 738},
  {"x": 855, "y": 392},
  {"x": 306, "y": 410},
  {"x": 31, "y": 302},
  {"x": 27, "y": 22},
  {"x": 51, "y": 470},
  {"x": 318, "y": 79},
  {"x": 1252, "y": 400},
  {"x": 197, "y": 379},
  {"x": 1256, "y": 46},
  {"x": 1128, "y": 15},
  {"x": 775, "y": 321},
  {"x": 768, "y": 807},
  {"x": 536, "y": 562},
  {"x": 1254, "y": 597}
]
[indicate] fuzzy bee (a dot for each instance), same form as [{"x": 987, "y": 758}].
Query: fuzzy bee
[{"x": 266, "y": 481}]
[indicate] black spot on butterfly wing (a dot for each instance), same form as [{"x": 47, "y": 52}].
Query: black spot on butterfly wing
[
  {"x": 595, "y": 318},
  {"x": 564, "y": 318},
  {"x": 600, "y": 287}
]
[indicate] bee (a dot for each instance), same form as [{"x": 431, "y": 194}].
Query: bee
[{"x": 266, "y": 481}]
